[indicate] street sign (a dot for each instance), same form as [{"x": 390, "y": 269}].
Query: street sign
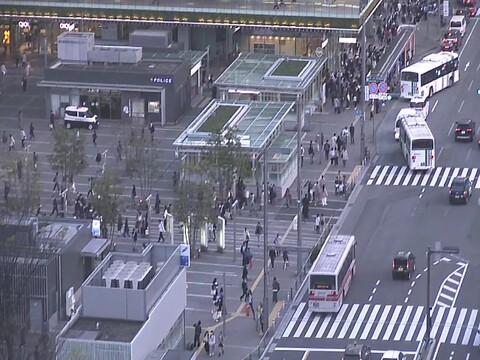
[
  {"x": 319, "y": 52},
  {"x": 382, "y": 87},
  {"x": 446, "y": 8},
  {"x": 358, "y": 115},
  {"x": 184, "y": 255},
  {"x": 382, "y": 96},
  {"x": 373, "y": 96},
  {"x": 96, "y": 228},
  {"x": 373, "y": 88}
]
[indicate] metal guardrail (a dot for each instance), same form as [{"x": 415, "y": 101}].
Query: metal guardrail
[{"x": 292, "y": 294}]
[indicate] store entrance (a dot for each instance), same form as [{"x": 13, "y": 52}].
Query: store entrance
[{"x": 106, "y": 104}]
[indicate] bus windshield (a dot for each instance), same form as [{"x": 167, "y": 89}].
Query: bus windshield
[
  {"x": 322, "y": 282},
  {"x": 422, "y": 144},
  {"x": 409, "y": 76}
]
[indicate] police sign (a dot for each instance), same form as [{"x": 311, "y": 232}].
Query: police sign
[
  {"x": 23, "y": 24},
  {"x": 67, "y": 26}
]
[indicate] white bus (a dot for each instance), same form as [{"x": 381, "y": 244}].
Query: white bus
[
  {"x": 417, "y": 143},
  {"x": 331, "y": 274},
  {"x": 433, "y": 73}
]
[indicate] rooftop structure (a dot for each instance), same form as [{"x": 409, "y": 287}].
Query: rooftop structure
[
  {"x": 270, "y": 73},
  {"x": 123, "y": 306},
  {"x": 256, "y": 124}
]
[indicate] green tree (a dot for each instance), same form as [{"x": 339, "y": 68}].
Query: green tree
[
  {"x": 194, "y": 208},
  {"x": 108, "y": 199},
  {"x": 68, "y": 156},
  {"x": 23, "y": 183},
  {"x": 224, "y": 161},
  {"x": 141, "y": 162}
]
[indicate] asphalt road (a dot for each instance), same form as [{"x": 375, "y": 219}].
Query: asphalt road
[{"x": 397, "y": 211}]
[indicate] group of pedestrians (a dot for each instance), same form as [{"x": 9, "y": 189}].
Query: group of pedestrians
[{"x": 210, "y": 341}]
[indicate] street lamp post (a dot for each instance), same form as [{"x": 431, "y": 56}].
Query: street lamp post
[
  {"x": 363, "y": 91},
  {"x": 299, "y": 109},
  {"x": 428, "y": 317},
  {"x": 265, "y": 236}
]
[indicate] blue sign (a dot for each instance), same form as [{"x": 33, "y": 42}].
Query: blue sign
[
  {"x": 96, "y": 228},
  {"x": 165, "y": 79},
  {"x": 184, "y": 255},
  {"x": 358, "y": 115},
  {"x": 382, "y": 87},
  {"x": 373, "y": 88}
]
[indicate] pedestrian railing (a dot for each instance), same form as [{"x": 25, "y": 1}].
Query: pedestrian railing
[
  {"x": 292, "y": 294},
  {"x": 352, "y": 181}
]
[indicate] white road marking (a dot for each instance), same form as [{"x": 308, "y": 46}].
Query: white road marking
[
  {"x": 438, "y": 321},
  {"x": 312, "y": 326},
  {"x": 458, "y": 326},
  {"x": 416, "y": 179},
  {"x": 295, "y": 317},
  {"x": 414, "y": 323},
  {"x": 359, "y": 322},
  {"x": 435, "y": 176},
  {"x": 470, "y": 86},
  {"x": 381, "y": 322},
  {"x": 477, "y": 185},
  {"x": 447, "y": 325},
  {"x": 465, "y": 171},
  {"x": 392, "y": 323},
  {"x": 348, "y": 322},
  {"x": 468, "y": 38},
  {"x": 337, "y": 321},
  {"x": 382, "y": 175},
  {"x": 399, "y": 176},
  {"x": 461, "y": 106},
  {"x": 467, "y": 65},
  {"x": 403, "y": 323},
  {"x": 370, "y": 322},
  {"x": 426, "y": 178},
  {"x": 391, "y": 175},
  {"x": 453, "y": 281},
  {"x": 303, "y": 323},
  {"x": 444, "y": 177},
  {"x": 440, "y": 152},
  {"x": 468, "y": 331},
  {"x": 324, "y": 326},
  {"x": 478, "y": 67},
  {"x": 407, "y": 178},
  {"x": 454, "y": 174},
  {"x": 327, "y": 350},
  {"x": 434, "y": 105},
  {"x": 373, "y": 175},
  {"x": 451, "y": 128}
]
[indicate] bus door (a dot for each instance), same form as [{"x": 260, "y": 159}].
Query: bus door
[{"x": 409, "y": 88}]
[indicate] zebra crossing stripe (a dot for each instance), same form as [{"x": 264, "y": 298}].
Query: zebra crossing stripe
[
  {"x": 392, "y": 322},
  {"x": 455, "y": 174},
  {"x": 435, "y": 176},
  {"x": 400, "y": 175},
  {"x": 374, "y": 175},
  {"x": 458, "y": 326},
  {"x": 476, "y": 341},
  {"x": 407, "y": 178},
  {"x": 359, "y": 322},
  {"x": 381, "y": 322},
  {"x": 382, "y": 175},
  {"x": 370, "y": 322},
  {"x": 312, "y": 326},
  {"x": 416, "y": 319},
  {"x": 447, "y": 325},
  {"x": 303, "y": 323},
  {"x": 403, "y": 323},
  {"x": 477, "y": 185},
  {"x": 295, "y": 317},
  {"x": 468, "y": 332},
  {"x": 438, "y": 320},
  {"x": 444, "y": 177},
  {"x": 416, "y": 179},
  {"x": 426, "y": 178},
  {"x": 472, "y": 175},
  {"x": 324, "y": 326},
  {"x": 464, "y": 172},
  {"x": 348, "y": 322},
  {"x": 391, "y": 175},
  {"x": 337, "y": 321}
]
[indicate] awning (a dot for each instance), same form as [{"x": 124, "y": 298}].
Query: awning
[
  {"x": 95, "y": 247},
  {"x": 108, "y": 87},
  {"x": 392, "y": 54}
]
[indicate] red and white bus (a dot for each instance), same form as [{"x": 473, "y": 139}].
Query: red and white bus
[{"x": 331, "y": 274}]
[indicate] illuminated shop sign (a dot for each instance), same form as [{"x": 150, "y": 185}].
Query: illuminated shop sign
[
  {"x": 23, "y": 24},
  {"x": 162, "y": 80},
  {"x": 67, "y": 26}
]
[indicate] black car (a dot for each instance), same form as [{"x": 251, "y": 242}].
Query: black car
[
  {"x": 357, "y": 352},
  {"x": 460, "y": 190},
  {"x": 403, "y": 265},
  {"x": 464, "y": 130}
]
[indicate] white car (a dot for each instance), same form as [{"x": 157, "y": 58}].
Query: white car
[{"x": 393, "y": 355}]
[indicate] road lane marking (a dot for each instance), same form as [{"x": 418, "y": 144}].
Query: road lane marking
[
  {"x": 399, "y": 176},
  {"x": 373, "y": 175},
  {"x": 453, "y": 281},
  {"x": 382, "y": 175},
  {"x": 444, "y": 177},
  {"x": 465, "y": 171},
  {"x": 414, "y": 323},
  {"x": 451, "y": 128},
  {"x": 458, "y": 326},
  {"x": 348, "y": 322},
  {"x": 426, "y": 178},
  {"x": 435, "y": 105},
  {"x": 422, "y": 331},
  {"x": 435, "y": 177},
  {"x": 392, "y": 323},
  {"x": 337, "y": 321},
  {"x": 381, "y": 322},
  {"x": 295, "y": 317},
  {"x": 391, "y": 175},
  {"x": 327, "y": 350},
  {"x": 305, "y": 355},
  {"x": 478, "y": 67},
  {"x": 416, "y": 179},
  {"x": 370, "y": 322},
  {"x": 438, "y": 321},
  {"x": 359, "y": 322},
  {"x": 403, "y": 323},
  {"x": 477, "y": 185},
  {"x": 324, "y": 326},
  {"x": 468, "y": 331},
  {"x": 461, "y": 106},
  {"x": 454, "y": 175},
  {"x": 447, "y": 325},
  {"x": 312, "y": 326},
  {"x": 449, "y": 288},
  {"x": 408, "y": 177},
  {"x": 468, "y": 38},
  {"x": 471, "y": 83},
  {"x": 303, "y": 323},
  {"x": 467, "y": 65}
]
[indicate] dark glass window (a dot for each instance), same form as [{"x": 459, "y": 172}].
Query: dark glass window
[
  {"x": 422, "y": 144},
  {"x": 410, "y": 76},
  {"x": 322, "y": 282}
]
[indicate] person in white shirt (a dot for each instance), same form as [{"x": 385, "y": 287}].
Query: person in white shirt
[
  {"x": 317, "y": 224},
  {"x": 161, "y": 230}
]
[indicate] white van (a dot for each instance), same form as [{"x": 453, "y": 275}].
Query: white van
[
  {"x": 421, "y": 104},
  {"x": 79, "y": 116},
  {"x": 459, "y": 23},
  {"x": 403, "y": 113}
]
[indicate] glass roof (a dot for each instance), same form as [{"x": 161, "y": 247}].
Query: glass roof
[
  {"x": 193, "y": 56},
  {"x": 283, "y": 147},
  {"x": 256, "y": 124},
  {"x": 251, "y": 71}
]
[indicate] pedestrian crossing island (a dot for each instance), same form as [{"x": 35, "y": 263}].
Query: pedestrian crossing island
[
  {"x": 438, "y": 177},
  {"x": 403, "y": 323}
]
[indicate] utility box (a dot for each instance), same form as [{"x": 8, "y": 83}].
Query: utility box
[
  {"x": 152, "y": 39},
  {"x": 75, "y": 46}
]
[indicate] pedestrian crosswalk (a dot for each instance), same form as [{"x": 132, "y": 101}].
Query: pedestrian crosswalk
[
  {"x": 386, "y": 323},
  {"x": 403, "y": 176}
]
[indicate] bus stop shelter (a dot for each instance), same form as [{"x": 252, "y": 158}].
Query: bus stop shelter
[{"x": 397, "y": 56}]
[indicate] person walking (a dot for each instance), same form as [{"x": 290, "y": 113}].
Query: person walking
[
  {"x": 151, "y": 127},
  {"x": 344, "y": 156},
  {"x": 317, "y": 224},
  {"x": 302, "y": 154},
  {"x": 126, "y": 229},
  {"x": 324, "y": 196},
  {"x": 94, "y": 137},
  {"x": 211, "y": 343},
  {"x": 11, "y": 143},
  {"x": 220, "y": 339},
  {"x": 55, "y": 207},
  {"x": 157, "y": 204},
  {"x": 134, "y": 238},
  {"x": 258, "y": 232},
  {"x": 244, "y": 289},
  {"x": 134, "y": 194},
  {"x": 286, "y": 260},
  {"x": 35, "y": 161},
  {"x": 196, "y": 335},
  {"x": 56, "y": 185},
  {"x": 119, "y": 150},
  {"x": 311, "y": 152},
  {"x": 24, "y": 82},
  {"x": 52, "y": 121},
  {"x": 3, "y": 70},
  {"x": 326, "y": 149},
  {"x": 23, "y": 137},
  {"x": 246, "y": 235},
  {"x": 249, "y": 301},
  {"x": 161, "y": 230},
  {"x": 275, "y": 290},
  {"x": 272, "y": 254},
  {"x": 351, "y": 130},
  {"x": 206, "y": 337},
  {"x": 32, "y": 131},
  {"x": 119, "y": 223}
]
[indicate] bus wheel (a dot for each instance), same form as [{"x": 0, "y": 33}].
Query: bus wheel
[{"x": 430, "y": 92}]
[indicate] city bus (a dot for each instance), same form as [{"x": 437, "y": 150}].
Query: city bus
[
  {"x": 417, "y": 143},
  {"x": 433, "y": 73},
  {"x": 331, "y": 274}
]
